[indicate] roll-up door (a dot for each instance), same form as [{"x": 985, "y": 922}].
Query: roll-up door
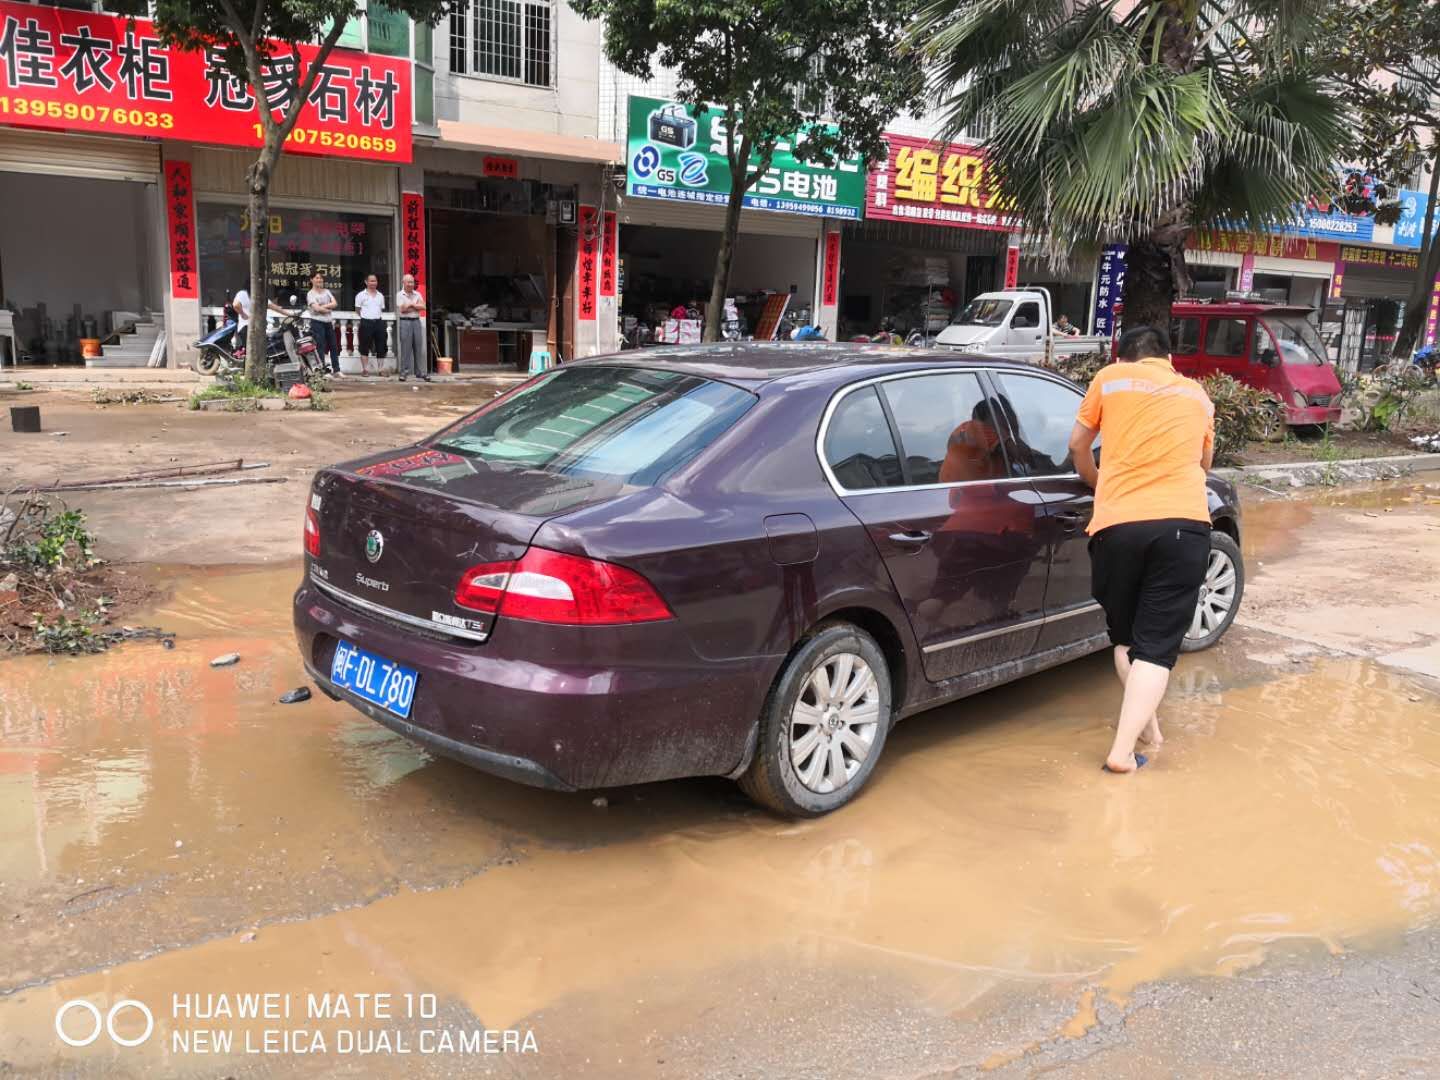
[
  {"x": 53, "y": 154},
  {"x": 686, "y": 215},
  {"x": 1375, "y": 282}
]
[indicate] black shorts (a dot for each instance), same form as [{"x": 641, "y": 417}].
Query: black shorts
[
  {"x": 1147, "y": 576},
  {"x": 372, "y": 338}
]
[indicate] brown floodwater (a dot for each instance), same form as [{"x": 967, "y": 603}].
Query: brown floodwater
[{"x": 167, "y": 829}]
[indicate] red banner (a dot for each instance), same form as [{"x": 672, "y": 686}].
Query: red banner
[
  {"x": 1337, "y": 281},
  {"x": 586, "y": 255},
  {"x": 1012, "y": 267},
  {"x": 937, "y": 184},
  {"x": 412, "y": 237},
  {"x": 1432, "y": 317},
  {"x": 504, "y": 168},
  {"x": 1276, "y": 247},
  {"x": 609, "y": 254},
  {"x": 830, "y": 278},
  {"x": 180, "y": 212},
  {"x": 79, "y": 71}
]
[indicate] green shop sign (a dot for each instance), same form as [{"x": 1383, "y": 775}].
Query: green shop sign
[{"x": 674, "y": 154}]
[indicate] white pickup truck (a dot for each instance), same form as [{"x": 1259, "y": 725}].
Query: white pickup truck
[{"x": 1014, "y": 324}]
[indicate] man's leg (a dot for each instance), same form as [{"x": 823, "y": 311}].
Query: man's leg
[
  {"x": 1151, "y": 735},
  {"x": 1144, "y": 688}
]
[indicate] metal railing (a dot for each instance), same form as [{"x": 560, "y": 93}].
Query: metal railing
[{"x": 347, "y": 324}]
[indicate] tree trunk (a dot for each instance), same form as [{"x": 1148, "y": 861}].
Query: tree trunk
[
  {"x": 723, "y": 258},
  {"x": 1418, "y": 305},
  {"x": 1155, "y": 273},
  {"x": 258, "y": 178}
]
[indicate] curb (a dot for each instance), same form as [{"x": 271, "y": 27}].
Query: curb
[{"x": 1407, "y": 462}]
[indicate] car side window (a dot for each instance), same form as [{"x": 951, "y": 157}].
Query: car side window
[
  {"x": 859, "y": 446},
  {"x": 1185, "y": 336},
  {"x": 1026, "y": 316},
  {"x": 1225, "y": 337},
  {"x": 946, "y": 428},
  {"x": 1042, "y": 415}
]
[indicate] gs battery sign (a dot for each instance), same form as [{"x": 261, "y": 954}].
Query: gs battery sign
[{"x": 676, "y": 154}]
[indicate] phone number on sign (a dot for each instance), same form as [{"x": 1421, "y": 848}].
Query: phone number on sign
[
  {"x": 339, "y": 140},
  {"x": 90, "y": 114}
]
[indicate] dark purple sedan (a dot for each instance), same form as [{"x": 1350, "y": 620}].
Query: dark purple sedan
[{"x": 742, "y": 560}]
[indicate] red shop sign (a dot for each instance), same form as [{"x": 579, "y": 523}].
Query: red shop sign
[
  {"x": 609, "y": 254},
  {"x": 830, "y": 289},
  {"x": 936, "y": 184},
  {"x": 506, "y": 168},
  {"x": 586, "y": 257},
  {"x": 412, "y": 237},
  {"x": 180, "y": 213},
  {"x": 79, "y": 71},
  {"x": 1012, "y": 267}
]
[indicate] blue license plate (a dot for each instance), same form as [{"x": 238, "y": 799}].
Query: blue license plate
[{"x": 379, "y": 681}]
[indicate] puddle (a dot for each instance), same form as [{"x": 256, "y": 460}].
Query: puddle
[{"x": 990, "y": 851}]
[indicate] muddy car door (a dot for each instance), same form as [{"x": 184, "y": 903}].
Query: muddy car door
[
  {"x": 1040, "y": 412},
  {"x": 918, "y": 459}
]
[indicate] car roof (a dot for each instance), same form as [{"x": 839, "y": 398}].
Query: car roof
[{"x": 754, "y": 362}]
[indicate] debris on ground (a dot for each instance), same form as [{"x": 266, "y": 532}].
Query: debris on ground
[
  {"x": 1428, "y": 443},
  {"x": 204, "y": 473},
  {"x": 225, "y": 661},
  {"x": 300, "y": 693},
  {"x": 104, "y": 395},
  {"x": 56, "y": 595}
]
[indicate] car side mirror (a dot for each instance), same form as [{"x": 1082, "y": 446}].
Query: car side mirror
[
  {"x": 1269, "y": 357},
  {"x": 1021, "y": 323}
]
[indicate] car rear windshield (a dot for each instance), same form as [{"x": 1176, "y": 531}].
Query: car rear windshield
[{"x": 628, "y": 426}]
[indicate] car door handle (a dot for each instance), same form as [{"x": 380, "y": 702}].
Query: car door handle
[
  {"x": 910, "y": 538},
  {"x": 1071, "y": 519}
]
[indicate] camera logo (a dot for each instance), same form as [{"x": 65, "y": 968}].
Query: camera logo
[{"x": 105, "y": 1024}]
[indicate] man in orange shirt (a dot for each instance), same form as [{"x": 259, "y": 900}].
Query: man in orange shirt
[{"x": 1150, "y": 534}]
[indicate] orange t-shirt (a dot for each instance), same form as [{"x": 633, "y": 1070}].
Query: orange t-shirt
[{"x": 1154, "y": 426}]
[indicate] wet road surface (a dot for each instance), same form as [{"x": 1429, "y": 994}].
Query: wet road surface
[{"x": 172, "y": 835}]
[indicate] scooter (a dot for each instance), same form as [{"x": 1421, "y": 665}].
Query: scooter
[{"x": 289, "y": 348}]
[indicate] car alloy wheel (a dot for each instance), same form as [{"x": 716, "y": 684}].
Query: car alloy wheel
[
  {"x": 833, "y": 724},
  {"x": 1220, "y": 594}
]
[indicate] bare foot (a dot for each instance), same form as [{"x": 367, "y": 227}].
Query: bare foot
[
  {"x": 1128, "y": 764},
  {"x": 1151, "y": 736}
]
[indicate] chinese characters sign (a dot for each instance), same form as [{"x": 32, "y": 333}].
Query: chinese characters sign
[
  {"x": 1337, "y": 281},
  {"x": 1432, "y": 316},
  {"x": 505, "y": 168},
  {"x": 1276, "y": 247},
  {"x": 180, "y": 212},
  {"x": 830, "y": 280},
  {"x": 1110, "y": 287},
  {"x": 1012, "y": 266},
  {"x": 1396, "y": 260},
  {"x": 412, "y": 237},
  {"x": 945, "y": 184},
  {"x": 1413, "y": 205},
  {"x": 672, "y": 153},
  {"x": 586, "y": 257},
  {"x": 80, "y": 71},
  {"x": 609, "y": 254}
]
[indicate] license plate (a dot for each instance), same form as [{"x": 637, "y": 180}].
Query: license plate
[{"x": 379, "y": 681}]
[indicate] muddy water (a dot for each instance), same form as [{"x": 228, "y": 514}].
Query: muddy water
[{"x": 318, "y": 854}]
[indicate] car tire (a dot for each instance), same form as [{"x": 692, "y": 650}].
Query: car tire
[
  {"x": 797, "y": 764},
  {"x": 1220, "y": 596},
  {"x": 1271, "y": 425}
]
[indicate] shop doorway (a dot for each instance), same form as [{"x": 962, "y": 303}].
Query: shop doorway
[{"x": 80, "y": 259}]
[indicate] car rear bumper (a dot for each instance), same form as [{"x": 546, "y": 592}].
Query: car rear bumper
[
  {"x": 1312, "y": 414},
  {"x": 564, "y": 708}
]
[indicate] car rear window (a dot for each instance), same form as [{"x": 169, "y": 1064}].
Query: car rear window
[{"x": 625, "y": 425}]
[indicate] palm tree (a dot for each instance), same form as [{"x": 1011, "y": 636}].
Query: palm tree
[{"x": 1135, "y": 121}]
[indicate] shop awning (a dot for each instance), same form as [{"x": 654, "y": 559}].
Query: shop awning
[{"x": 455, "y": 135}]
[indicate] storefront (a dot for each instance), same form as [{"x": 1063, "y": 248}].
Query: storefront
[
  {"x": 670, "y": 220},
  {"x": 933, "y": 237},
  {"x": 1373, "y": 288},
  {"x": 124, "y": 231}
]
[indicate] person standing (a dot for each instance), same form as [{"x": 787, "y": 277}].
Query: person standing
[
  {"x": 242, "y": 306},
  {"x": 409, "y": 337},
  {"x": 370, "y": 306},
  {"x": 321, "y": 303},
  {"x": 1150, "y": 533}
]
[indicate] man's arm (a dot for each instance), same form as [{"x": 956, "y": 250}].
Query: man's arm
[{"x": 1082, "y": 443}]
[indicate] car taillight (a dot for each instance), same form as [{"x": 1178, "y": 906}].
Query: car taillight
[
  {"x": 550, "y": 587},
  {"x": 312, "y": 533}
]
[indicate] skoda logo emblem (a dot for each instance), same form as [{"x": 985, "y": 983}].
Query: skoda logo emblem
[{"x": 374, "y": 545}]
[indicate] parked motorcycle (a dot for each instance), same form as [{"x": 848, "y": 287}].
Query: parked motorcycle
[{"x": 289, "y": 350}]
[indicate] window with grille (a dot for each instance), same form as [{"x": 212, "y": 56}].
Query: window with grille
[{"x": 513, "y": 40}]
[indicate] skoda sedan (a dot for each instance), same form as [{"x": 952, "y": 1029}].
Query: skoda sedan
[{"x": 747, "y": 560}]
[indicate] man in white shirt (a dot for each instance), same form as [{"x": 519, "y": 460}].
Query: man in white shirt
[
  {"x": 241, "y": 305},
  {"x": 370, "y": 305},
  {"x": 321, "y": 304},
  {"x": 409, "y": 337}
]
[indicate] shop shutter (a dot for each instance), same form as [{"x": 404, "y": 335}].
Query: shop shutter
[
  {"x": 1375, "y": 283},
  {"x": 1266, "y": 264},
  {"x": 678, "y": 215},
  {"x": 300, "y": 176},
  {"x": 53, "y": 154}
]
